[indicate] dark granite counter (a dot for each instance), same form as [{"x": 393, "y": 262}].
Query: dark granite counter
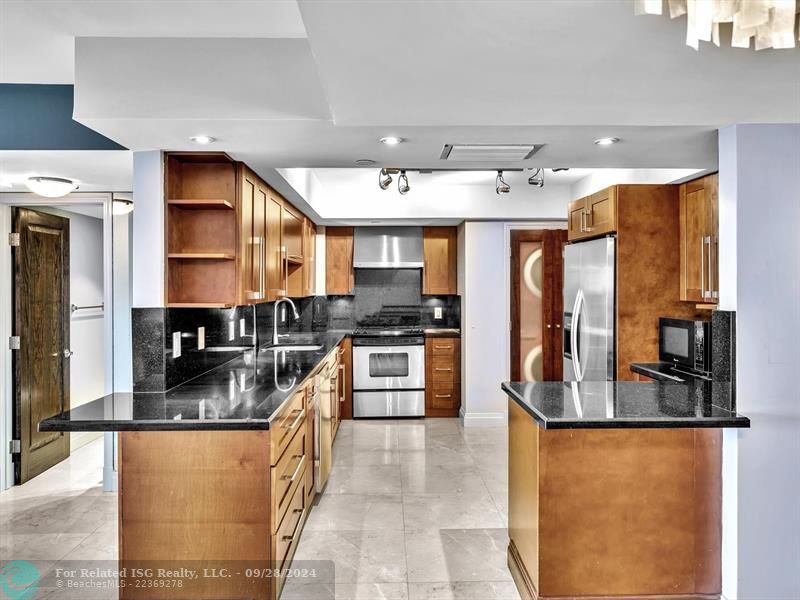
[
  {"x": 626, "y": 404},
  {"x": 661, "y": 371},
  {"x": 243, "y": 394},
  {"x": 442, "y": 332}
]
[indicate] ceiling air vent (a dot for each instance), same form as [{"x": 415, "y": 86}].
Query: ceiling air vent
[{"x": 488, "y": 152}]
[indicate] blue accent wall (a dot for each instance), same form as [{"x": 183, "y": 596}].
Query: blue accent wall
[{"x": 39, "y": 117}]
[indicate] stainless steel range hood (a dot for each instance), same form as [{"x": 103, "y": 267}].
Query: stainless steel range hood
[{"x": 387, "y": 248}]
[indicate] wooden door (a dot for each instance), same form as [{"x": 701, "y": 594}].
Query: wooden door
[
  {"x": 698, "y": 240},
  {"x": 275, "y": 263},
  {"x": 41, "y": 320},
  {"x": 601, "y": 212},
  {"x": 440, "y": 271},
  {"x": 339, "y": 277},
  {"x": 576, "y": 224},
  {"x": 537, "y": 282}
]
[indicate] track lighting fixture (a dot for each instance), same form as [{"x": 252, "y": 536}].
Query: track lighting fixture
[
  {"x": 537, "y": 178},
  {"x": 500, "y": 186},
  {"x": 557, "y": 169},
  {"x": 384, "y": 179},
  {"x": 402, "y": 183}
]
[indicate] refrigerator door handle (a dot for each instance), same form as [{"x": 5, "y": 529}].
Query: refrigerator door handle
[{"x": 575, "y": 336}]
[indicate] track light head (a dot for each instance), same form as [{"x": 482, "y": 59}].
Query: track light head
[
  {"x": 500, "y": 185},
  {"x": 384, "y": 179},
  {"x": 402, "y": 183},
  {"x": 537, "y": 178}
]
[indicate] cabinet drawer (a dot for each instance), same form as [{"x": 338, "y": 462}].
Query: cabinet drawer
[
  {"x": 288, "y": 474},
  {"x": 288, "y": 534},
  {"x": 443, "y": 371},
  {"x": 449, "y": 398},
  {"x": 442, "y": 347},
  {"x": 286, "y": 423}
]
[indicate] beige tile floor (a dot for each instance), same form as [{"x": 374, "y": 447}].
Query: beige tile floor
[{"x": 413, "y": 510}]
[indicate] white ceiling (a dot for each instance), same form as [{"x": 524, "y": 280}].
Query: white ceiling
[
  {"x": 442, "y": 71},
  {"x": 94, "y": 170}
]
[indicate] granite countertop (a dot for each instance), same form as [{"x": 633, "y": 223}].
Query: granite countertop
[
  {"x": 626, "y": 404},
  {"x": 442, "y": 332},
  {"x": 662, "y": 371},
  {"x": 243, "y": 394}
]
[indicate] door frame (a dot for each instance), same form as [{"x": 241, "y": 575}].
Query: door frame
[
  {"x": 14, "y": 199},
  {"x": 507, "y": 229}
]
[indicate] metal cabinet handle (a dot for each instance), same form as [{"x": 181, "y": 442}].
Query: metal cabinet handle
[
  {"x": 300, "y": 466},
  {"x": 703, "y": 266},
  {"x": 715, "y": 250},
  {"x": 443, "y": 347},
  {"x": 68, "y": 353},
  {"x": 301, "y": 412},
  {"x": 443, "y": 369},
  {"x": 583, "y": 219},
  {"x": 443, "y": 396},
  {"x": 710, "y": 268},
  {"x": 262, "y": 276},
  {"x": 588, "y": 220}
]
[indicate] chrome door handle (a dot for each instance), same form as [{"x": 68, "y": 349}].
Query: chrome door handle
[{"x": 68, "y": 353}]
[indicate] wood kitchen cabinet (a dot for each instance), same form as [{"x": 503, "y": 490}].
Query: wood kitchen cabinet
[
  {"x": 442, "y": 376},
  {"x": 699, "y": 240},
  {"x": 339, "y": 275},
  {"x": 310, "y": 256},
  {"x": 440, "y": 253},
  {"x": 594, "y": 215}
]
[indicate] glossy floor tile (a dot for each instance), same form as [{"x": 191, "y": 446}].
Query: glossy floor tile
[{"x": 413, "y": 510}]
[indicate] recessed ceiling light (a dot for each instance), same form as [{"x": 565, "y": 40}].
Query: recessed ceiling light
[
  {"x": 365, "y": 162},
  {"x": 50, "y": 187},
  {"x": 391, "y": 140},
  {"x": 606, "y": 141},
  {"x": 203, "y": 139}
]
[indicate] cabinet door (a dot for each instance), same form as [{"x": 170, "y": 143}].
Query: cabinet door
[
  {"x": 440, "y": 250},
  {"x": 576, "y": 227},
  {"x": 339, "y": 277},
  {"x": 293, "y": 232},
  {"x": 698, "y": 243},
  {"x": 309, "y": 257},
  {"x": 275, "y": 263},
  {"x": 601, "y": 212},
  {"x": 247, "y": 251}
]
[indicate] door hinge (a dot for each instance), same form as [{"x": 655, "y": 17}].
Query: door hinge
[
  {"x": 13, "y": 239},
  {"x": 14, "y": 447},
  {"x": 13, "y": 342}
]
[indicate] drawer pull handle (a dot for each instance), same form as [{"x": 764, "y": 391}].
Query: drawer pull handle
[
  {"x": 288, "y": 538},
  {"x": 443, "y": 396},
  {"x": 442, "y": 347},
  {"x": 443, "y": 369},
  {"x": 300, "y": 465},
  {"x": 300, "y": 412}
]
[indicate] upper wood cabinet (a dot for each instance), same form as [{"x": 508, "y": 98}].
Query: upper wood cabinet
[
  {"x": 339, "y": 276},
  {"x": 440, "y": 252},
  {"x": 310, "y": 256},
  {"x": 593, "y": 216},
  {"x": 231, "y": 239},
  {"x": 699, "y": 240}
]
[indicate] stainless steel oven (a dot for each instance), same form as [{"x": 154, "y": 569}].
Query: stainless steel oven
[{"x": 388, "y": 374}]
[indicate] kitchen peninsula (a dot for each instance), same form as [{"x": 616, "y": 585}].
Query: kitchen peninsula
[
  {"x": 615, "y": 488},
  {"x": 220, "y": 472}
]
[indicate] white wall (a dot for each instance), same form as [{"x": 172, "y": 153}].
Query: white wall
[
  {"x": 760, "y": 175},
  {"x": 600, "y": 179},
  {"x": 148, "y": 258}
]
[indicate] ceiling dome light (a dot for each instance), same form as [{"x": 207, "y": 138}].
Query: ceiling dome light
[
  {"x": 606, "y": 141},
  {"x": 500, "y": 185},
  {"x": 402, "y": 183},
  {"x": 203, "y": 139},
  {"x": 121, "y": 205},
  {"x": 365, "y": 162},
  {"x": 384, "y": 179},
  {"x": 537, "y": 177},
  {"x": 391, "y": 140},
  {"x": 51, "y": 187}
]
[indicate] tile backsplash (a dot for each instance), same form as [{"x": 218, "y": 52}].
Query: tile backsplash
[{"x": 390, "y": 297}]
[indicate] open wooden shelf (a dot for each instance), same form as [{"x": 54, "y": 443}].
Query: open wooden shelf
[
  {"x": 294, "y": 259},
  {"x": 201, "y": 204},
  {"x": 199, "y": 305},
  {"x": 202, "y": 255}
]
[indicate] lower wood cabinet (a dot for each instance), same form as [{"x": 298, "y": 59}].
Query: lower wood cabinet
[{"x": 442, "y": 377}]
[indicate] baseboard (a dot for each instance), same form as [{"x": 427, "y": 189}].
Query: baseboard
[
  {"x": 525, "y": 586},
  {"x": 475, "y": 419}
]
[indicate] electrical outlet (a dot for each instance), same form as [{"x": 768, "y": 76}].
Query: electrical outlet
[
  {"x": 201, "y": 338},
  {"x": 241, "y": 327},
  {"x": 176, "y": 344},
  {"x": 231, "y": 331},
  {"x": 437, "y": 312}
]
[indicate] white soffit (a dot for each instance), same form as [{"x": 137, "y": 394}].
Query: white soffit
[
  {"x": 94, "y": 170},
  {"x": 190, "y": 78}
]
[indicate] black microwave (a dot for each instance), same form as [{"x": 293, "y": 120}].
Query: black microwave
[{"x": 685, "y": 343}]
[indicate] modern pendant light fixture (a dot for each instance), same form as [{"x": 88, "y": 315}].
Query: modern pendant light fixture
[
  {"x": 402, "y": 183},
  {"x": 384, "y": 179},
  {"x": 500, "y": 185},
  {"x": 51, "y": 187}
]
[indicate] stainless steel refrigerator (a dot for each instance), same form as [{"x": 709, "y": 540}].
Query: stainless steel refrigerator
[{"x": 589, "y": 310}]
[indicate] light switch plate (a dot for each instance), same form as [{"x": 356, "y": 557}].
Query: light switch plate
[
  {"x": 176, "y": 344},
  {"x": 437, "y": 312},
  {"x": 201, "y": 338},
  {"x": 241, "y": 327},
  {"x": 231, "y": 331}
]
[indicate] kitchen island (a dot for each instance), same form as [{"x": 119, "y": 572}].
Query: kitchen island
[
  {"x": 615, "y": 488},
  {"x": 217, "y": 475}
]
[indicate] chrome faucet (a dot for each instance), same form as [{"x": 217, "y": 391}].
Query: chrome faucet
[{"x": 275, "y": 317}]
